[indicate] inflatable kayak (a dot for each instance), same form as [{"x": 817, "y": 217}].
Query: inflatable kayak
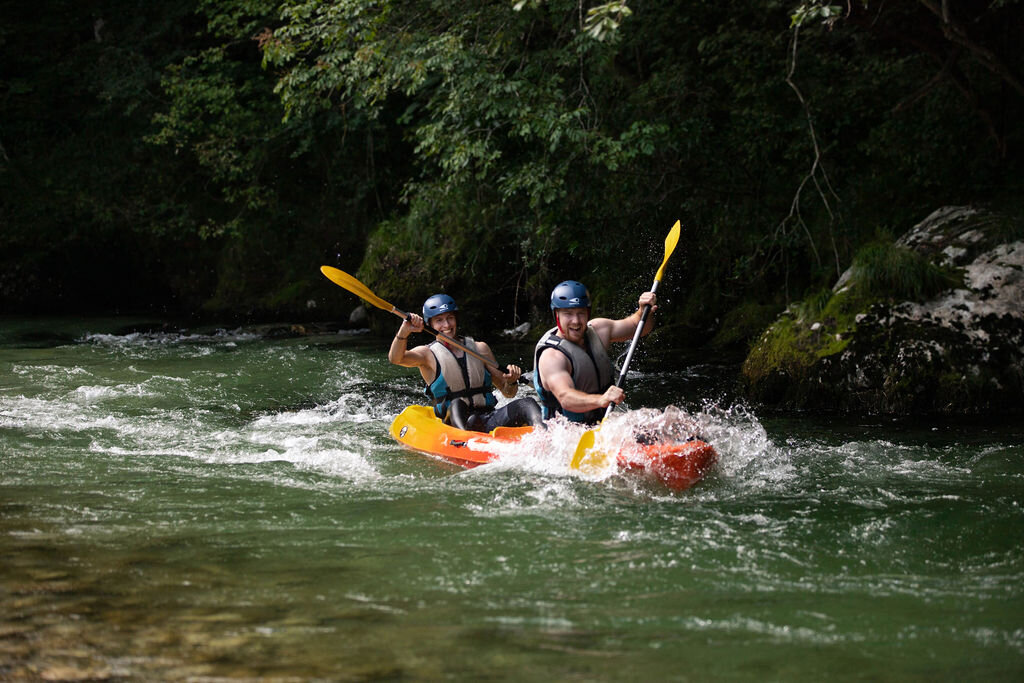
[{"x": 678, "y": 465}]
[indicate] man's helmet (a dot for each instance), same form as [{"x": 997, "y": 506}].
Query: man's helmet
[{"x": 570, "y": 294}]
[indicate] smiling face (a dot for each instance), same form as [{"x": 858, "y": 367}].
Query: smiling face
[
  {"x": 444, "y": 323},
  {"x": 572, "y": 323}
]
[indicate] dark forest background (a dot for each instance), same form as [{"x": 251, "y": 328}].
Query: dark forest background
[{"x": 202, "y": 159}]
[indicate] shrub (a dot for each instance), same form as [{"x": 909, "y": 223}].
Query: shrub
[{"x": 890, "y": 271}]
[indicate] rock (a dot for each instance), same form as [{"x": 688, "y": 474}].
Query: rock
[
  {"x": 958, "y": 352},
  {"x": 358, "y": 317},
  {"x": 517, "y": 332}
]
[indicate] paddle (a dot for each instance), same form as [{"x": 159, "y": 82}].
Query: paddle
[
  {"x": 343, "y": 279},
  {"x": 586, "y": 442}
]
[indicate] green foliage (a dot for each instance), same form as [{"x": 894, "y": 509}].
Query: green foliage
[
  {"x": 223, "y": 118},
  {"x": 813, "y": 304},
  {"x": 812, "y": 10},
  {"x": 888, "y": 271},
  {"x": 604, "y": 20},
  {"x": 744, "y": 324},
  {"x": 448, "y": 245},
  {"x": 79, "y": 189},
  {"x": 495, "y": 104},
  {"x": 274, "y": 187},
  {"x": 478, "y": 107},
  {"x": 227, "y": 148}
]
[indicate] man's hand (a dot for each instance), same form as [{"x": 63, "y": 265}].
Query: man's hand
[
  {"x": 413, "y": 323},
  {"x": 513, "y": 374},
  {"x": 612, "y": 394}
]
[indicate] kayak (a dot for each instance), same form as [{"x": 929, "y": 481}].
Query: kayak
[{"x": 677, "y": 465}]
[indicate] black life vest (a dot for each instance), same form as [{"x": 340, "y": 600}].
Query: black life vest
[{"x": 591, "y": 372}]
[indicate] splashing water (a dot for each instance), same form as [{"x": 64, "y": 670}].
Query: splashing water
[{"x": 741, "y": 442}]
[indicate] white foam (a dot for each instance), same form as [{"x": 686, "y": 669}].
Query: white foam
[
  {"x": 151, "y": 339},
  {"x": 740, "y": 440},
  {"x": 94, "y": 393}
]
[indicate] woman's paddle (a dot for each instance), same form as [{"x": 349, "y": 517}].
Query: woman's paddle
[
  {"x": 343, "y": 279},
  {"x": 587, "y": 440}
]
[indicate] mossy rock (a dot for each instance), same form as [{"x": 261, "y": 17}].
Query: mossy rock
[{"x": 936, "y": 326}]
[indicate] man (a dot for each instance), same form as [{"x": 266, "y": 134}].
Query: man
[
  {"x": 459, "y": 383},
  {"x": 572, "y": 370}
]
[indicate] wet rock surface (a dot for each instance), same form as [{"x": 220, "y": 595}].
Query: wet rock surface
[{"x": 959, "y": 352}]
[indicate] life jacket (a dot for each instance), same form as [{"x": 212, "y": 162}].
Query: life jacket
[
  {"x": 459, "y": 378},
  {"x": 591, "y": 372}
]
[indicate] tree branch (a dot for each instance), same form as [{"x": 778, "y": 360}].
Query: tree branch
[
  {"x": 939, "y": 76},
  {"x": 816, "y": 168},
  {"x": 956, "y": 33}
]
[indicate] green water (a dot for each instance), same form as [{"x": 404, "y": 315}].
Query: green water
[{"x": 214, "y": 505}]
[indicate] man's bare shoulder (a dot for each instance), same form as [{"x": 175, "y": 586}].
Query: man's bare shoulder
[
  {"x": 552, "y": 357},
  {"x": 603, "y": 327}
]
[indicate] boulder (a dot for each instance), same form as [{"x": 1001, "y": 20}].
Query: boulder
[
  {"x": 959, "y": 350},
  {"x": 359, "y": 317},
  {"x": 518, "y": 332}
]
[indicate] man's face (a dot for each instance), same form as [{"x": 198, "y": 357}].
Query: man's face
[
  {"x": 573, "y": 322},
  {"x": 444, "y": 323}
]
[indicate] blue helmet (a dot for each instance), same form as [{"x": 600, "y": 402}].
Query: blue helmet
[
  {"x": 438, "y": 304},
  {"x": 570, "y": 294}
]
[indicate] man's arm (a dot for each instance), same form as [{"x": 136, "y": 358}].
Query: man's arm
[
  {"x": 555, "y": 369},
  {"x": 505, "y": 382},
  {"x": 623, "y": 330}
]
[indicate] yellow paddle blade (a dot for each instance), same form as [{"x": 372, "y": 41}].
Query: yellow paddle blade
[
  {"x": 343, "y": 279},
  {"x": 586, "y": 458},
  {"x": 585, "y": 444},
  {"x": 596, "y": 461},
  {"x": 670, "y": 245}
]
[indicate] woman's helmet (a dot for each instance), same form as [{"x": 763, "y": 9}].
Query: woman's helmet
[
  {"x": 436, "y": 305},
  {"x": 570, "y": 294}
]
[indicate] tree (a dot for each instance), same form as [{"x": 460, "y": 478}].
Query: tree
[
  {"x": 971, "y": 43},
  {"x": 504, "y": 110}
]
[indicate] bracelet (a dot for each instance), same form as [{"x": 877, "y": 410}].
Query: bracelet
[{"x": 402, "y": 338}]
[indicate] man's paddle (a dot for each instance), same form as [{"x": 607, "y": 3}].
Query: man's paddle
[
  {"x": 343, "y": 279},
  {"x": 587, "y": 440}
]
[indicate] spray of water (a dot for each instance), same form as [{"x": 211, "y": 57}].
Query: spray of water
[{"x": 744, "y": 450}]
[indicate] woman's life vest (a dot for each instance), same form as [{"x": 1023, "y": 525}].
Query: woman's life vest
[
  {"x": 591, "y": 372},
  {"x": 459, "y": 378}
]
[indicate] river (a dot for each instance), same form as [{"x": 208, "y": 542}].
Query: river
[{"x": 222, "y": 505}]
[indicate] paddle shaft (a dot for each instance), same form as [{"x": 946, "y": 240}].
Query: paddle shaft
[
  {"x": 632, "y": 347},
  {"x": 586, "y": 442},
  {"x": 445, "y": 338}
]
